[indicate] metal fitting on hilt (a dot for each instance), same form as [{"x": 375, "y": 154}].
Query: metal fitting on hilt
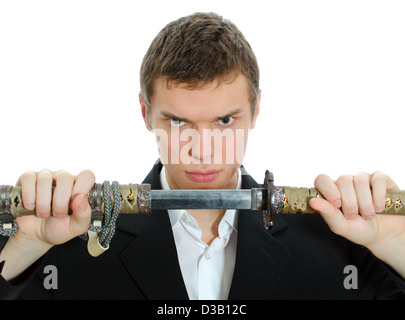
[
  {"x": 274, "y": 197},
  {"x": 285, "y": 200},
  {"x": 5, "y": 201},
  {"x": 8, "y": 226}
]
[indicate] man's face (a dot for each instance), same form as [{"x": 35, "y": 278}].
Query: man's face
[{"x": 201, "y": 133}]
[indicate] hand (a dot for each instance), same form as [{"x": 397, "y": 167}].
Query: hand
[
  {"x": 52, "y": 224},
  {"x": 350, "y": 207}
]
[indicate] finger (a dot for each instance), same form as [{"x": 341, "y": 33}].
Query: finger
[
  {"x": 380, "y": 183},
  {"x": 325, "y": 185},
  {"x": 44, "y": 193},
  {"x": 364, "y": 198},
  {"x": 27, "y": 182},
  {"x": 83, "y": 183},
  {"x": 81, "y": 214},
  {"x": 62, "y": 193},
  {"x": 349, "y": 199}
]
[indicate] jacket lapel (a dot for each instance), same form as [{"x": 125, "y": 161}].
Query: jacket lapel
[
  {"x": 260, "y": 257},
  {"x": 151, "y": 260},
  {"x": 151, "y": 257}
]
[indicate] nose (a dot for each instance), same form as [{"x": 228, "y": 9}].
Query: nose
[{"x": 202, "y": 146}]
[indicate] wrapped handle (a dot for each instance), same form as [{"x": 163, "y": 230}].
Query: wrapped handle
[
  {"x": 135, "y": 198},
  {"x": 296, "y": 200},
  {"x": 290, "y": 200}
]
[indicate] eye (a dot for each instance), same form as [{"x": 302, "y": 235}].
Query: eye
[
  {"x": 176, "y": 123},
  {"x": 226, "y": 121}
]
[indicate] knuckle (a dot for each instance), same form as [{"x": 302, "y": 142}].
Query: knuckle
[
  {"x": 368, "y": 210},
  {"x": 344, "y": 179},
  {"x": 63, "y": 175},
  {"x": 28, "y": 175},
  {"x": 350, "y": 209},
  {"x": 321, "y": 178},
  {"x": 362, "y": 179},
  {"x": 379, "y": 173},
  {"x": 59, "y": 209},
  {"x": 88, "y": 174},
  {"x": 378, "y": 177},
  {"x": 42, "y": 208},
  {"x": 45, "y": 174}
]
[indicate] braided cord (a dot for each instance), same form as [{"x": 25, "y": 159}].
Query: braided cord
[
  {"x": 107, "y": 231},
  {"x": 111, "y": 214},
  {"x": 8, "y": 232}
]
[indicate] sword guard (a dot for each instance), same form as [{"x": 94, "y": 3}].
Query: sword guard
[{"x": 268, "y": 212}]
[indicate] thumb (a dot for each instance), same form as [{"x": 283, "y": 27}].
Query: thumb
[
  {"x": 332, "y": 216},
  {"x": 81, "y": 214}
]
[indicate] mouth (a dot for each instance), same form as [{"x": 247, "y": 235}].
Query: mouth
[{"x": 203, "y": 176}]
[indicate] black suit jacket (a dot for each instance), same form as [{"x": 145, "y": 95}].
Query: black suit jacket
[{"x": 299, "y": 258}]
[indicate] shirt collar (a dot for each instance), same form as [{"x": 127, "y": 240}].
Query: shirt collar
[{"x": 230, "y": 215}]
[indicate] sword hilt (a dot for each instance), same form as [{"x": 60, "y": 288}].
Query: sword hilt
[
  {"x": 135, "y": 198},
  {"x": 291, "y": 200}
]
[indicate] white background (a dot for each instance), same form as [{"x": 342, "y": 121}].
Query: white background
[{"x": 332, "y": 80}]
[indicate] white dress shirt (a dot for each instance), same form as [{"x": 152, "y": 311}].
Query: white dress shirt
[{"x": 207, "y": 270}]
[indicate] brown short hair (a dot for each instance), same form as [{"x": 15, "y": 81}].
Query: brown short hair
[{"x": 196, "y": 50}]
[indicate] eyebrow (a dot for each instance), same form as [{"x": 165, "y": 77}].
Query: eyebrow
[{"x": 230, "y": 114}]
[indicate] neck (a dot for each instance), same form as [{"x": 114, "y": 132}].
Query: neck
[{"x": 208, "y": 221}]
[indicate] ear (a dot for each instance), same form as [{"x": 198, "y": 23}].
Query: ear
[
  {"x": 144, "y": 112},
  {"x": 257, "y": 110}
]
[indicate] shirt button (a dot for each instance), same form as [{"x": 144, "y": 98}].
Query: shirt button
[
  {"x": 207, "y": 256},
  {"x": 187, "y": 220}
]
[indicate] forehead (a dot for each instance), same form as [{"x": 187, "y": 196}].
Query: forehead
[{"x": 204, "y": 102}]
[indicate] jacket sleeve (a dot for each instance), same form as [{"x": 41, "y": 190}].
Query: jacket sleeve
[
  {"x": 397, "y": 289},
  {"x": 11, "y": 290},
  {"x": 377, "y": 280}
]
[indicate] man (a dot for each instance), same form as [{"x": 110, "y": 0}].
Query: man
[{"x": 200, "y": 79}]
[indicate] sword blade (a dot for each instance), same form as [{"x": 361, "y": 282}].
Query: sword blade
[{"x": 207, "y": 199}]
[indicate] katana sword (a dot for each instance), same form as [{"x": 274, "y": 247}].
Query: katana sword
[{"x": 140, "y": 199}]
